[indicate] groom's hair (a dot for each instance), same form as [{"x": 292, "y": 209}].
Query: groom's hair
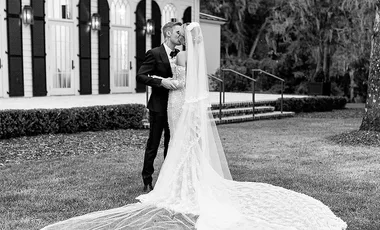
[{"x": 169, "y": 26}]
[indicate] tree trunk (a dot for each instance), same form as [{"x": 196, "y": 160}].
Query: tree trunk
[
  {"x": 351, "y": 72},
  {"x": 326, "y": 61},
  {"x": 253, "y": 48},
  {"x": 371, "y": 119},
  {"x": 319, "y": 59}
]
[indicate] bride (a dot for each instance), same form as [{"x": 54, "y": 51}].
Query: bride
[{"x": 194, "y": 189}]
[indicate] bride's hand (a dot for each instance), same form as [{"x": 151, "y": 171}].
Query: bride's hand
[
  {"x": 176, "y": 83},
  {"x": 169, "y": 83}
]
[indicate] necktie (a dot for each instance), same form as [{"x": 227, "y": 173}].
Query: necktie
[{"x": 174, "y": 53}]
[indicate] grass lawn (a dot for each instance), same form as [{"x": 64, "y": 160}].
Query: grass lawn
[{"x": 48, "y": 178}]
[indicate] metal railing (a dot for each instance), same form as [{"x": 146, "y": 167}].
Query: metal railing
[
  {"x": 221, "y": 87},
  {"x": 274, "y": 76},
  {"x": 245, "y": 76}
]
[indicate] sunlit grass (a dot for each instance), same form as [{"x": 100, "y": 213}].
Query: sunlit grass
[{"x": 101, "y": 170}]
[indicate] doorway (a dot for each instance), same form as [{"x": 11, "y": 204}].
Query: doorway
[{"x": 61, "y": 55}]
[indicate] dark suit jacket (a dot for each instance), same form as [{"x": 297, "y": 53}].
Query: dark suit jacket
[{"x": 156, "y": 63}]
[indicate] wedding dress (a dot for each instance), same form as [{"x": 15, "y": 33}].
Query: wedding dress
[{"x": 194, "y": 189}]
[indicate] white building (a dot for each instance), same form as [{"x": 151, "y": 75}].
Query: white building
[{"x": 62, "y": 53}]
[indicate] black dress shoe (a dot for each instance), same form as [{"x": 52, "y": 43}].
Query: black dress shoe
[{"x": 145, "y": 189}]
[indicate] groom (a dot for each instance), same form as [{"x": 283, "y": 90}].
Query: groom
[{"x": 157, "y": 63}]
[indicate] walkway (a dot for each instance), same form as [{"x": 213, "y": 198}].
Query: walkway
[{"x": 113, "y": 99}]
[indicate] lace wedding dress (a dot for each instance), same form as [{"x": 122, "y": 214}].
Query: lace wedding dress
[{"x": 194, "y": 189}]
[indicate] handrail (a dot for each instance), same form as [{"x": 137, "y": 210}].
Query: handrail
[
  {"x": 216, "y": 78},
  {"x": 253, "y": 87},
  {"x": 239, "y": 74},
  {"x": 221, "y": 83},
  {"x": 269, "y": 74},
  {"x": 274, "y": 76}
]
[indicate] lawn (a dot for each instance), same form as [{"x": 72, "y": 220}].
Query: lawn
[{"x": 49, "y": 178}]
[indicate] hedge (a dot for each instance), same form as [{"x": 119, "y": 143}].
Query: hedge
[
  {"x": 312, "y": 104},
  {"x": 15, "y": 123}
]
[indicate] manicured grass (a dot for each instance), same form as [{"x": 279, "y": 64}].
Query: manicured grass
[{"x": 49, "y": 178}]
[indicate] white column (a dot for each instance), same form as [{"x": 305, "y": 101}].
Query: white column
[
  {"x": 4, "y": 85},
  {"x": 196, "y": 10},
  {"x": 148, "y": 15},
  {"x": 94, "y": 53},
  {"x": 27, "y": 56}
]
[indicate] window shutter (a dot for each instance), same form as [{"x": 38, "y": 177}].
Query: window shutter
[
  {"x": 140, "y": 41},
  {"x": 104, "y": 48},
  {"x": 187, "y": 15},
  {"x": 38, "y": 49},
  {"x": 85, "y": 85},
  {"x": 156, "y": 16},
  {"x": 15, "y": 54}
]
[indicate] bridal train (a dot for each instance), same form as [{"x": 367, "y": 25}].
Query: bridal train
[{"x": 194, "y": 189}]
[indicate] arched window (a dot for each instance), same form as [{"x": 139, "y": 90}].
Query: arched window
[
  {"x": 120, "y": 13},
  {"x": 121, "y": 32},
  {"x": 168, "y": 13}
]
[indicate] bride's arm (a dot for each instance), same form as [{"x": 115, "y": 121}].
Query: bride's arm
[
  {"x": 182, "y": 58},
  {"x": 182, "y": 61}
]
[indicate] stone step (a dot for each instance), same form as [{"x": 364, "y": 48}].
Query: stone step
[
  {"x": 242, "y": 111},
  {"x": 245, "y": 118},
  {"x": 240, "y": 104},
  {"x": 260, "y": 116}
]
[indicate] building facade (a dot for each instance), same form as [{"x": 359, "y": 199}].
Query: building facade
[{"x": 58, "y": 47}]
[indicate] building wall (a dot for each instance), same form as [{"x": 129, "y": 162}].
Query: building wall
[
  {"x": 180, "y": 6},
  {"x": 211, "y": 37},
  {"x": 3, "y": 56}
]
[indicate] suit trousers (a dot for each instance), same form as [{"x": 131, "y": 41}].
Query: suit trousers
[{"x": 158, "y": 124}]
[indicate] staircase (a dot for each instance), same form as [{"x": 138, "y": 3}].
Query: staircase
[{"x": 236, "y": 112}]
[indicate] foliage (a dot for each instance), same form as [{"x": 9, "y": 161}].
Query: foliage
[
  {"x": 14, "y": 123},
  {"x": 311, "y": 104},
  {"x": 299, "y": 41}
]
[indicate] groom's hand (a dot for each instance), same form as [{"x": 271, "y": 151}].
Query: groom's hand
[{"x": 168, "y": 84}]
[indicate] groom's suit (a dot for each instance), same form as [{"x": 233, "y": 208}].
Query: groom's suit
[{"x": 156, "y": 63}]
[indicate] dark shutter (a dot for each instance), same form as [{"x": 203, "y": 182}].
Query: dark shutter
[
  {"x": 38, "y": 49},
  {"x": 104, "y": 48},
  {"x": 140, "y": 40},
  {"x": 85, "y": 85},
  {"x": 187, "y": 15},
  {"x": 15, "y": 61},
  {"x": 156, "y": 16}
]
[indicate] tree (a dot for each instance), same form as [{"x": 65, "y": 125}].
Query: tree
[
  {"x": 314, "y": 24},
  {"x": 353, "y": 52},
  {"x": 371, "y": 119},
  {"x": 235, "y": 31}
]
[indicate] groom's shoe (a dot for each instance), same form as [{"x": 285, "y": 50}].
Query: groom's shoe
[{"x": 146, "y": 186}]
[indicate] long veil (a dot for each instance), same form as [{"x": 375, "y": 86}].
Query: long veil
[
  {"x": 197, "y": 130},
  {"x": 194, "y": 189},
  {"x": 169, "y": 206}
]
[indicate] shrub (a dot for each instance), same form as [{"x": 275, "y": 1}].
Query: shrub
[
  {"x": 311, "y": 104},
  {"x": 15, "y": 123}
]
